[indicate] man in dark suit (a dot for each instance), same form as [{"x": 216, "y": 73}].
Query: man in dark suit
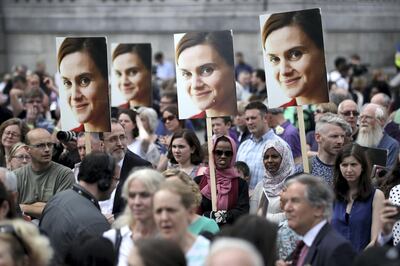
[
  {"x": 115, "y": 144},
  {"x": 308, "y": 207}
]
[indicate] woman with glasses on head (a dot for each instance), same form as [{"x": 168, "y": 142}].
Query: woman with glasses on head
[
  {"x": 11, "y": 131},
  {"x": 18, "y": 156},
  {"x": 169, "y": 117},
  {"x": 232, "y": 191},
  {"x": 21, "y": 244}
]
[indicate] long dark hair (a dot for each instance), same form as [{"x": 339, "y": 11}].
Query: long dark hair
[
  {"x": 197, "y": 156},
  {"x": 132, "y": 116},
  {"x": 340, "y": 185}
]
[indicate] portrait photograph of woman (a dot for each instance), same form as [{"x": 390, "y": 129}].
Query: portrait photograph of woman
[
  {"x": 205, "y": 74},
  {"x": 131, "y": 75},
  {"x": 84, "y": 96},
  {"x": 294, "y": 59}
]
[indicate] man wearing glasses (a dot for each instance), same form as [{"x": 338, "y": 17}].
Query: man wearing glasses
[
  {"x": 348, "y": 110},
  {"x": 38, "y": 181},
  {"x": 115, "y": 144}
]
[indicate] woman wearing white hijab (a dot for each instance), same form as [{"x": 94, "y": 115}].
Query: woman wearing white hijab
[{"x": 278, "y": 162}]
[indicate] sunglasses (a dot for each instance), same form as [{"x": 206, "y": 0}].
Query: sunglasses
[
  {"x": 349, "y": 113},
  {"x": 168, "y": 118},
  {"x": 226, "y": 153}
]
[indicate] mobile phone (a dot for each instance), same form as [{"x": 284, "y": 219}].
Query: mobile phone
[{"x": 378, "y": 171}]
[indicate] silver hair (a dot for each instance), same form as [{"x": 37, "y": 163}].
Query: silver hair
[
  {"x": 229, "y": 243},
  {"x": 380, "y": 112},
  {"x": 332, "y": 119},
  {"x": 151, "y": 115},
  {"x": 151, "y": 180},
  {"x": 318, "y": 193},
  {"x": 10, "y": 179}
]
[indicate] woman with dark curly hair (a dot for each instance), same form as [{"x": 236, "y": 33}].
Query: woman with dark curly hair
[{"x": 357, "y": 205}]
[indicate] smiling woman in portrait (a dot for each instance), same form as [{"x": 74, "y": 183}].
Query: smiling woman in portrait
[
  {"x": 206, "y": 68},
  {"x": 132, "y": 68},
  {"x": 82, "y": 63},
  {"x": 294, "y": 50}
]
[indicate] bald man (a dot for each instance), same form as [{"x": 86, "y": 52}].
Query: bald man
[{"x": 38, "y": 181}]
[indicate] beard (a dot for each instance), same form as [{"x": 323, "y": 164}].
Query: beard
[{"x": 370, "y": 137}]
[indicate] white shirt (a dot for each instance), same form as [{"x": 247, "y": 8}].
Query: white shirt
[
  {"x": 126, "y": 243},
  {"x": 310, "y": 236}
]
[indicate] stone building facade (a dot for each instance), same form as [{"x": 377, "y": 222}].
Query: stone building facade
[{"x": 28, "y": 28}]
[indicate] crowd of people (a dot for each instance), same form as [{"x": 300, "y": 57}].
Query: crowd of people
[{"x": 141, "y": 193}]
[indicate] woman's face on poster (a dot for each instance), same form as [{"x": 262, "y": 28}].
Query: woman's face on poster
[
  {"x": 132, "y": 75},
  {"x": 297, "y": 63},
  {"x": 86, "y": 88},
  {"x": 208, "y": 79}
]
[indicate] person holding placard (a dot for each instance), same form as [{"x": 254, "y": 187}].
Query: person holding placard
[
  {"x": 132, "y": 67},
  {"x": 82, "y": 63},
  {"x": 294, "y": 58},
  {"x": 206, "y": 73},
  {"x": 232, "y": 191}
]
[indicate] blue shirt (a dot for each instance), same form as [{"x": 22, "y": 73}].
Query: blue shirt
[
  {"x": 250, "y": 152},
  {"x": 355, "y": 226}
]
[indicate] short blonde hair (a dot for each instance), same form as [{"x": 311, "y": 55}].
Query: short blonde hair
[
  {"x": 187, "y": 180},
  {"x": 32, "y": 244}
]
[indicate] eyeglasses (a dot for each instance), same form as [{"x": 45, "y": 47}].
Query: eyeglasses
[
  {"x": 42, "y": 146},
  {"x": 349, "y": 113},
  {"x": 221, "y": 152},
  {"x": 12, "y": 134},
  {"x": 22, "y": 157},
  {"x": 9, "y": 229},
  {"x": 168, "y": 118}
]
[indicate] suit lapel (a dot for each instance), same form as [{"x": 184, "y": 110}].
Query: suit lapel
[{"x": 312, "y": 251}]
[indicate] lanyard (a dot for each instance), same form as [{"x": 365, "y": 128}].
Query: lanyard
[{"x": 85, "y": 194}]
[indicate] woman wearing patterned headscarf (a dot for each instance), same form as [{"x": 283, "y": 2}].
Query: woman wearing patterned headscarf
[{"x": 279, "y": 164}]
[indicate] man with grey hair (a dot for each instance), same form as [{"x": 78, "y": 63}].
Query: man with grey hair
[
  {"x": 348, "y": 110},
  {"x": 371, "y": 134},
  {"x": 330, "y": 134},
  {"x": 308, "y": 208},
  {"x": 9, "y": 180},
  {"x": 233, "y": 252}
]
